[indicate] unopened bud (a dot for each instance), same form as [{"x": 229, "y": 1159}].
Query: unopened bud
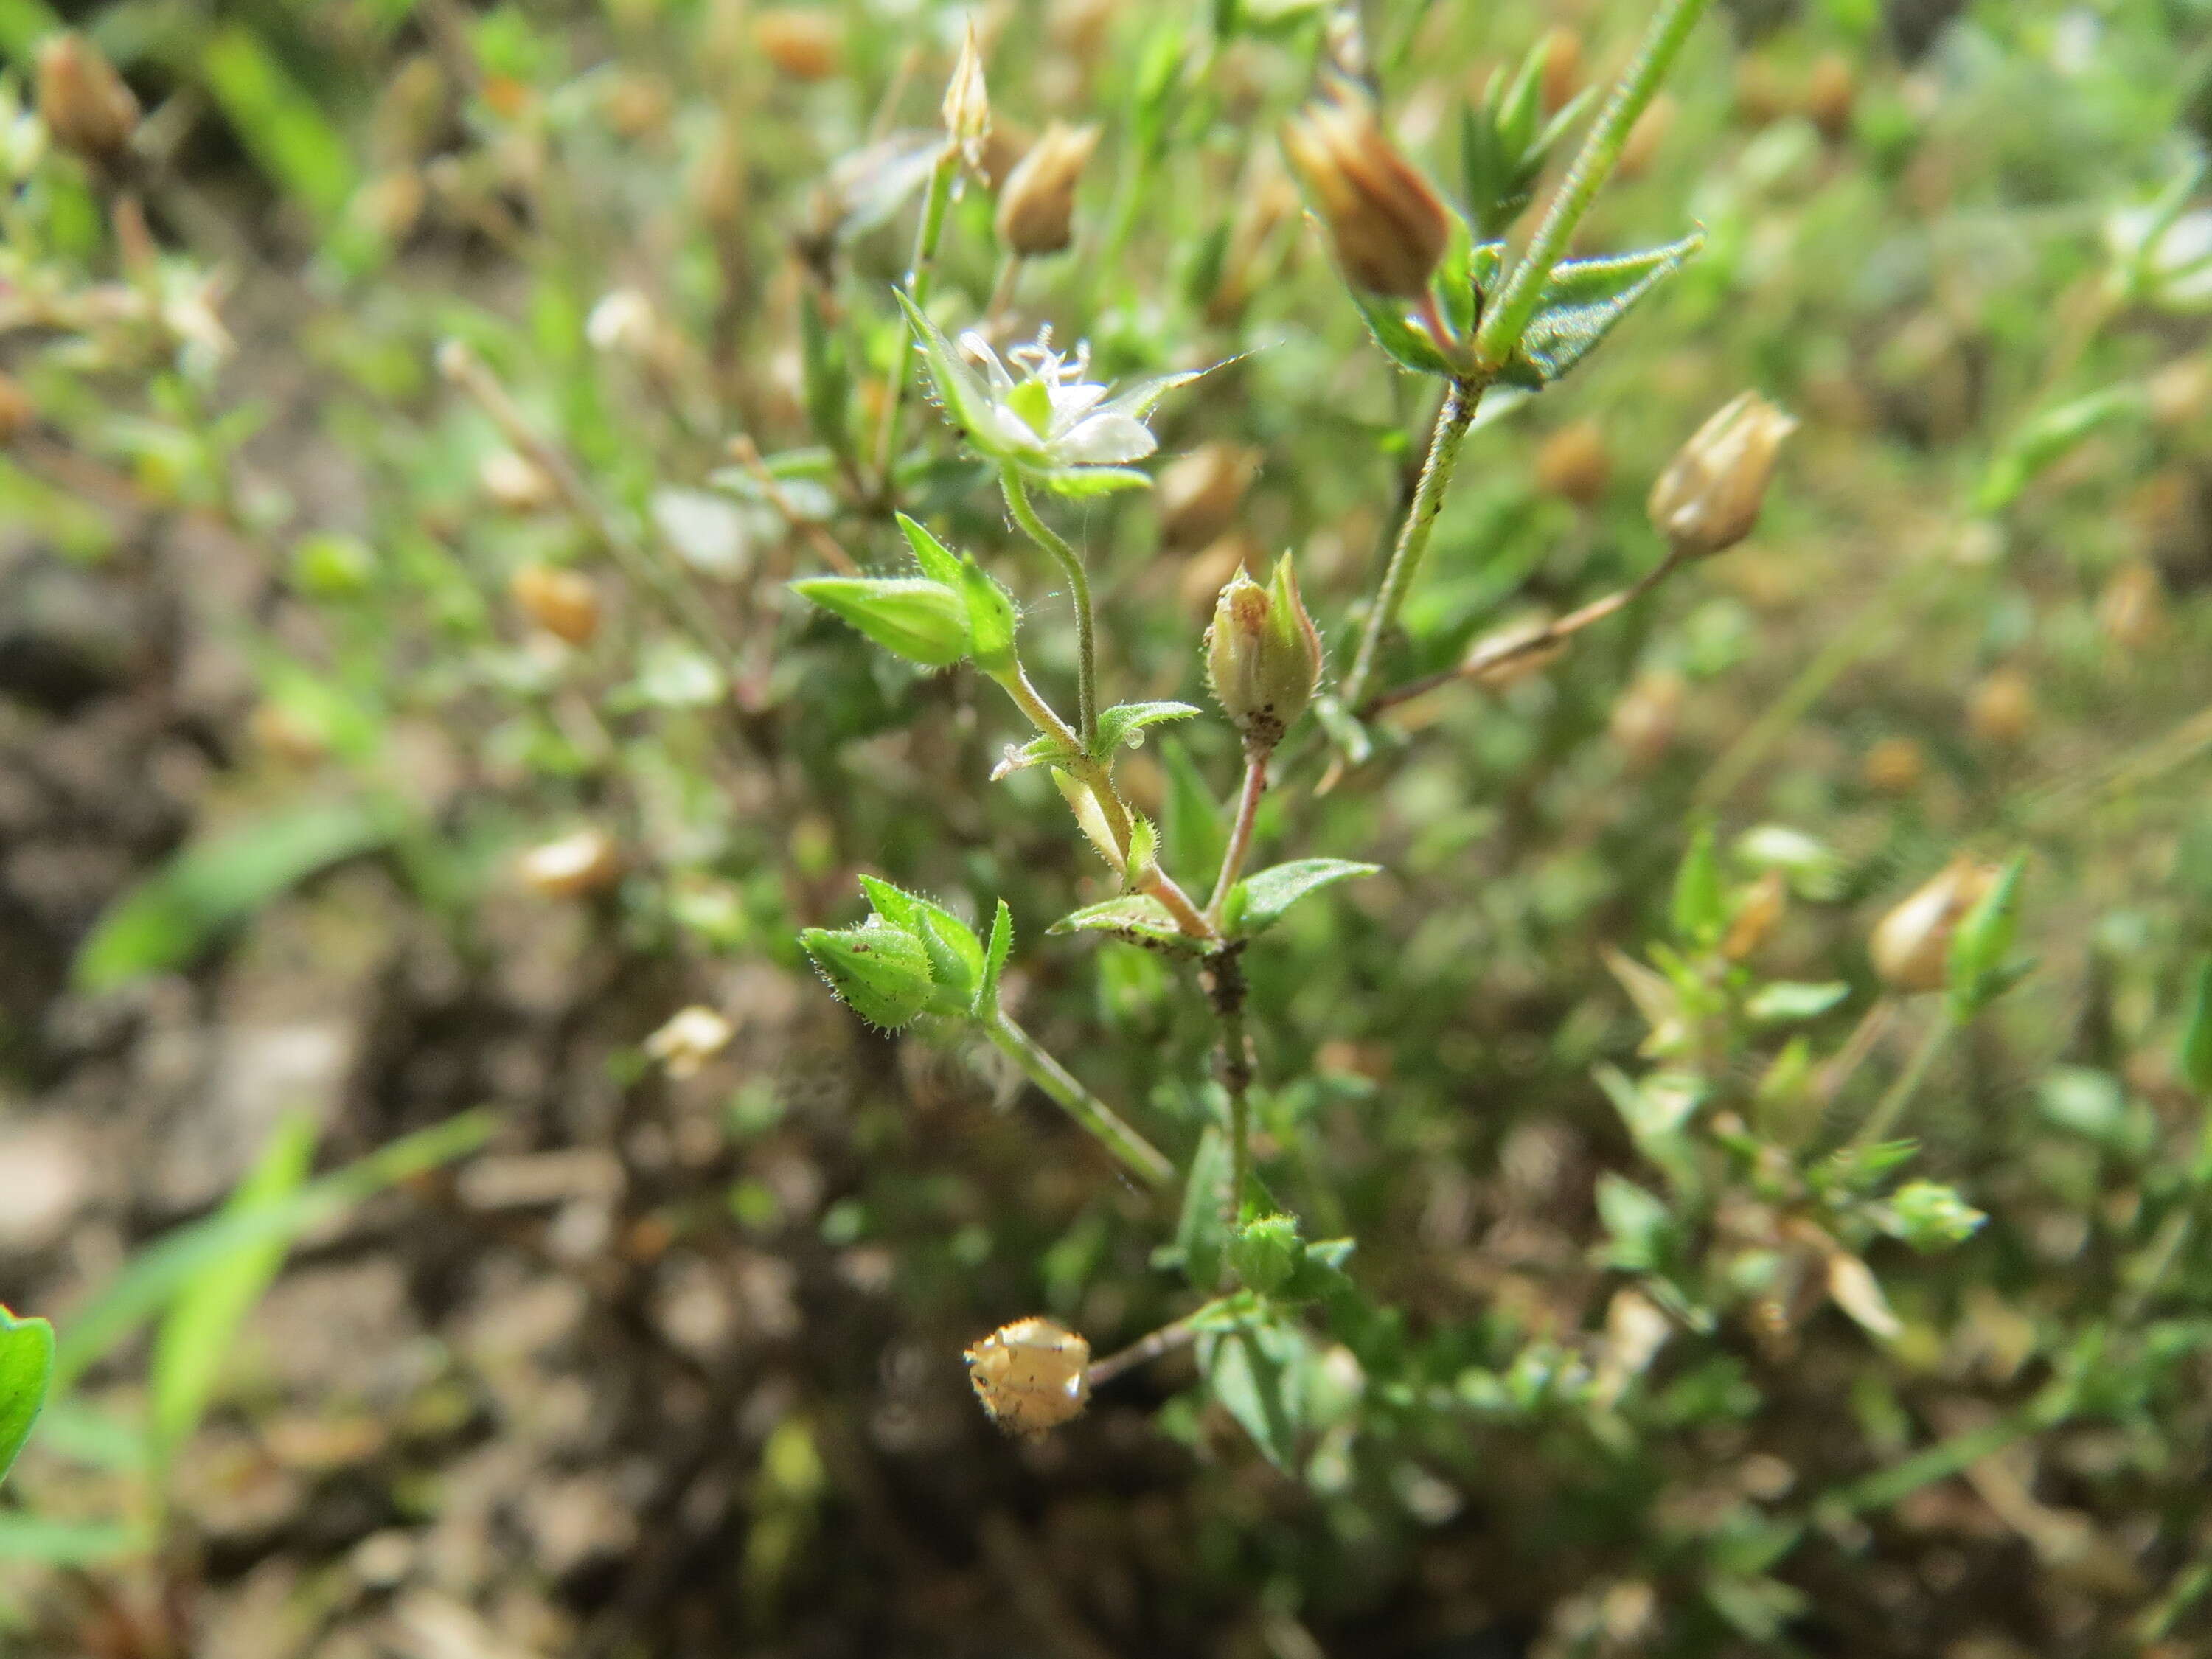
[
  {"x": 1911, "y": 945},
  {"x": 967, "y": 106},
  {"x": 562, "y": 602},
  {"x": 1262, "y": 655},
  {"x": 1198, "y": 494},
  {"x": 807, "y": 43},
  {"x": 691, "y": 1038},
  {"x": 1387, "y": 226},
  {"x": 1032, "y": 1376},
  {"x": 1708, "y": 499},
  {"x": 83, "y": 101},
  {"x": 585, "y": 862},
  {"x": 2002, "y": 710},
  {"x": 1037, "y": 208}
]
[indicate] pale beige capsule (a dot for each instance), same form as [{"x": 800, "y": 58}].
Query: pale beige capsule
[
  {"x": 1388, "y": 227},
  {"x": 83, "y": 101},
  {"x": 1911, "y": 945},
  {"x": 1036, "y": 206},
  {"x": 562, "y": 602},
  {"x": 691, "y": 1037},
  {"x": 803, "y": 42},
  {"x": 1032, "y": 1376},
  {"x": 1708, "y": 499},
  {"x": 575, "y": 865}
]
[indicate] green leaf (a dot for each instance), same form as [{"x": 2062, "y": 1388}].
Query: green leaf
[
  {"x": 938, "y": 562},
  {"x": 1137, "y": 918},
  {"x": 990, "y": 618},
  {"x": 1125, "y": 722},
  {"x": 1788, "y": 1000},
  {"x": 2196, "y": 1056},
  {"x": 197, "y": 1334},
  {"x": 1404, "y": 344},
  {"x": 1814, "y": 871},
  {"x": 276, "y": 122},
  {"x": 923, "y": 621},
  {"x": 1193, "y": 829},
  {"x": 1082, "y": 482},
  {"x": 1260, "y": 900},
  {"x": 1258, "y": 1373},
  {"x": 1201, "y": 1229},
  {"x": 952, "y": 384},
  {"x": 213, "y": 884},
  {"x": 2044, "y": 438},
  {"x": 1700, "y": 906},
  {"x": 26, "y": 1362},
  {"x": 1978, "y": 971},
  {"x": 155, "y": 1276},
  {"x": 1582, "y": 301},
  {"x": 995, "y": 961},
  {"x": 881, "y": 973},
  {"x": 1637, "y": 1225}
]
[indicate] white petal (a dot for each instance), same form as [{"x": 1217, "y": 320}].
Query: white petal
[
  {"x": 1104, "y": 440},
  {"x": 1070, "y": 403},
  {"x": 977, "y": 350}
]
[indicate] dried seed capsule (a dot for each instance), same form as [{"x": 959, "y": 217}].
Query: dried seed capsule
[
  {"x": 692, "y": 1036},
  {"x": 807, "y": 43},
  {"x": 1911, "y": 945},
  {"x": 1574, "y": 464},
  {"x": 2002, "y": 710},
  {"x": 562, "y": 602},
  {"x": 514, "y": 482},
  {"x": 1262, "y": 655},
  {"x": 1708, "y": 499},
  {"x": 575, "y": 865},
  {"x": 1198, "y": 494},
  {"x": 1894, "y": 766},
  {"x": 1032, "y": 1376},
  {"x": 1036, "y": 208},
  {"x": 1387, "y": 226},
  {"x": 83, "y": 101},
  {"x": 967, "y": 106}
]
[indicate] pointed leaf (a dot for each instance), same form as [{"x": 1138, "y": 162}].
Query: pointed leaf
[
  {"x": 1402, "y": 341},
  {"x": 1125, "y": 722},
  {"x": 881, "y": 973},
  {"x": 1700, "y": 908},
  {"x": 1260, "y": 900},
  {"x": 1582, "y": 299},
  {"x": 937, "y": 561},
  {"x": 1138, "y": 918},
  {"x": 923, "y": 621},
  {"x": 995, "y": 961},
  {"x": 1201, "y": 1228},
  {"x": 26, "y": 1362},
  {"x": 1258, "y": 1373}
]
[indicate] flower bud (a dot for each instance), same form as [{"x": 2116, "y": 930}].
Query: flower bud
[
  {"x": 1911, "y": 945},
  {"x": 1262, "y": 655},
  {"x": 1708, "y": 499},
  {"x": 83, "y": 101},
  {"x": 1032, "y": 1376},
  {"x": 692, "y": 1036},
  {"x": 807, "y": 43},
  {"x": 1198, "y": 494},
  {"x": 1037, "y": 208},
  {"x": 1387, "y": 226},
  {"x": 575, "y": 865},
  {"x": 562, "y": 602}
]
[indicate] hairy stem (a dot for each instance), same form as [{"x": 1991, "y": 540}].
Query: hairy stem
[
  {"x": 1079, "y": 582},
  {"x": 1517, "y": 301},
  {"x": 1452, "y": 423},
  {"x": 1240, "y": 836},
  {"x": 1177, "y": 1333},
  {"x": 928, "y": 232},
  {"x": 1224, "y": 976},
  {"x": 1137, "y": 1154},
  {"x": 1891, "y": 1107}
]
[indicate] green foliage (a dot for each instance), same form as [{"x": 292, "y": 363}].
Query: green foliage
[{"x": 27, "y": 1361}]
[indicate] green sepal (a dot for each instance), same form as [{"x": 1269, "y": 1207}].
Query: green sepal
[
  {"x": 880, "y": 972},
  {"x": 1700, "y": 906},
  {"x": 26, "y": 1365},
  {"x": 1979, "y": 972},
  {"x": 1402, "y": 341},
  {"x": 1582, "y": 301},
  {"x": 995, "y": 953},
  {"x": 1257, "y": 902},
  {"x": 923, "y": 621},
  {"x": 1266, "y": 1252}
]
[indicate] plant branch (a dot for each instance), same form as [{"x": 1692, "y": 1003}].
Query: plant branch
[
  {"x": 746, "y": 453},
  {"x": 1516, "y": 302},
  {"x": 1079, "y": 582},
  {"x": 1137, "y": 1154}
]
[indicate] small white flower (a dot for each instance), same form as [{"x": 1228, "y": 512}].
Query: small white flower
[{"x": 1050, "y": 419}]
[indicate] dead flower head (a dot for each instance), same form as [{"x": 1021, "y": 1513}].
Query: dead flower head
[{"x": 1388, "y": 227}]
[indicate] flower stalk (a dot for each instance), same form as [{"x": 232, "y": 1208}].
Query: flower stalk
[
  {"x": 1137, "y": 1154},
  {"x": 1079, "y": 585}
]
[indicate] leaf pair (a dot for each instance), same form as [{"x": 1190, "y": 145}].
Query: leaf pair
[{"x": 1254, "y": 904}]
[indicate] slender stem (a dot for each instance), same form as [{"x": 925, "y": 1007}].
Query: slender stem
[
  {"x": 1222, "y": 975},
  {"x": 1452, "y": 423},
  {"x": 746, "y": 453},
  {"x": 1523, "y": 291},
  {"x": 1177, "y": 1333},
  {"x": 1079, "y": 582},
  {"x": 1880, "y": 1121},
  {"x": 1002, "y": 290},
  {"x": 1240, "y": 836},
  {"x": 1848, "y": 1059},
  {"x": 1138, "y": 1154},
  {"x": 1032, "y": 702},
  {"x": 928, "y": 233},
  {"x": 1165, "y": 888}
]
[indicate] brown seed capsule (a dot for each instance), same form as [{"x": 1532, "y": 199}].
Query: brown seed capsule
[
  {"x": 17, "y": 412},
  {"x": 2001, "y": 710},
  {"x": 583, "y": 862},
  {"x": 83, "y": 101},
  {"x": 1894, "y": 766},
  {"x": 514, "y": 482},
  {"x": 1646, "y": 718},
  {"x": 1574, "y": 464},
  {"x": 1563, "y": 69},
  {"x": 2131, "y": 611},
  {"x": 1911, "y": 945},
  {"x": 1262, "y": 655},
  {"x": 1757, "y": 917},
  {"x": 1199, "y": 493},
  {"x": 1037, "y": 208},
  {"x": 1387, "y": 226},
  {"x": 691, "y": 1037},
  {"x": 1708, "y": 499},
  {"x": 562, "y": 602},
  {"x": 967, "y": 104},
  {"x": 1032, "y": 1376},
  {"x": 1831, "y": 91},
  {"x": 807, "y": 43}
]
